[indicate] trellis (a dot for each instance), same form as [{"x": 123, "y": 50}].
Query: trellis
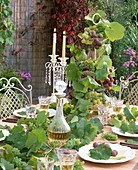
[{"x": 31, "y": 41}]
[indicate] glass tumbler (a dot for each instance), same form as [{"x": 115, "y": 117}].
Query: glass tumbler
[
  {"x": 30, "y": 111},
  {"x": 117, "y": 105},
  {"x": 44, "y": 102},
  {"x": 67, "y": 158},
  {"x": 103, "y": 111},
  {"x": 45, "y": 164}
]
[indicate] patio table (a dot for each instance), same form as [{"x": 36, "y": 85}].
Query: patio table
[{"x": 130, "y": 165}]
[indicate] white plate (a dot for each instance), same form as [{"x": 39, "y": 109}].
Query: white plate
[
  {"x": 122, "y": 151},
  {"x": 119, "y": 132},
  {"x": 52, "y": 112},
  {"x": 5, "y": 133}
]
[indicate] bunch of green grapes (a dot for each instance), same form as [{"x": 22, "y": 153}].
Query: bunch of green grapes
[
  {"x": 90, "y": 37},
  {"x": 19, "y": 163},
  {"x": 96, "y": 98}
]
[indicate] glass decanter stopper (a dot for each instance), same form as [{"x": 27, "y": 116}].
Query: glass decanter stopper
[{"x": 59, "y": 130}]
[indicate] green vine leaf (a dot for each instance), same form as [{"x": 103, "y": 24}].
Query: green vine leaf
[
  {"x": 81, "y": 54},
  {"x": 78, "y": 86},
  {"x": 128, "y": 114},
  {"x": 114, "y": 31},
  {"x": 73, "y": 72},
  {"x": 101, "y": 152},
  {"x": 102, "y": 60},
  {"x": 102, "y": 73},
  {"x": 1, "y": 134},
  {"x": 5, "y": 165},
  {"x": 84, "y": 105},
  {"x": 124, "y": 127},
  {"x": 96, "y": 122},
  {"x": 108, "y": 48},
  {"x": 35, "y": 139}
]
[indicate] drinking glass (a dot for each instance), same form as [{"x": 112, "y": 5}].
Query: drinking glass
[
  {"x": 67, "y": 158},
  {"x": 44, "y": 102},
  {"x": 30, "y": 111},
  {"x": 103, "y": 112},
  {"x": 117, "y": 105},
  {"x": 45, "y": 164}
]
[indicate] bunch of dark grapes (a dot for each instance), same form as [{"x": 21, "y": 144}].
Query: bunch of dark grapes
[
  {"x": 96, "y": 39},
  {"x": 108, "y": 82}
]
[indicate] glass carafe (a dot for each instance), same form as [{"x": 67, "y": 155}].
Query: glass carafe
[{"x": 59, "y": 130}]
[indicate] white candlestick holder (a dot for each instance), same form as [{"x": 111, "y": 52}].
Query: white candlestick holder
[
  {"x": 63, "y": 62},
  {"x": 55, "y": 71}
]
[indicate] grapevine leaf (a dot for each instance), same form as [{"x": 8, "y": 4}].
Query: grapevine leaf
[
  {"x": 102, "y": 73},
  {"x": 1, "y": 134},
  {"x": 108, "y": 48},
  {"x": 124, "y": 127},
  {"x": 78, "y": 95},
  {"x": 100, "y": 152},
  {"x": 74, "y": 119},
  {"x": 115, "y": 88},
  {"x": 93, "y": 83},
  {"x": 5, "y": 165},
  {"x": 96, "y": 122},
  {"x": 134, "y": 111},
  {"x": 116, "y": 123},
  {"x": 18, "y": 139},
  {"x": 40, "y": 118},
  {"x": 84, "y": 105},
  {"x": 84, "y": 131},
  {"x": 71, "y": 47},
  {"x": 35, "y": 139},
  {"x": 81, "y": 55},
  {"x": 115, "y": 31},
  {"x": 102, "y": 60},
  {"x": 73, "y": 72},
  {"x": 78, "y": 86},
  {"x": 128, "y": 114},
  {"x": 132, "y": 127},
  {"x": 102, "y": 13}
]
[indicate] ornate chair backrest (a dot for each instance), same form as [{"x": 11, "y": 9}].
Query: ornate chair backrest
[
  {"x": 133, "y": 95},
  {"x": 13, "y": 95},
  {"x": 129, "y": 87}
]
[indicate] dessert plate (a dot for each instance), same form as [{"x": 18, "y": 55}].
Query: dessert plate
[
  {"x": 21, "y": 112},
  {"x": 124, "y": 154}
]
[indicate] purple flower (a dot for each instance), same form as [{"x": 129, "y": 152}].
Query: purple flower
[
  {"x": 24, "y": 75},
  {"x": 132, "y": 58}
]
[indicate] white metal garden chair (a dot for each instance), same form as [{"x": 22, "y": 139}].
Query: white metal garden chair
[
  {"x": 13, "y": 95},
  {"x": 130, "y": 91}
]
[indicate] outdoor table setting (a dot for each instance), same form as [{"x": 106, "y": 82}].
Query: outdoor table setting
[{"x": 128, "y": 152}]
